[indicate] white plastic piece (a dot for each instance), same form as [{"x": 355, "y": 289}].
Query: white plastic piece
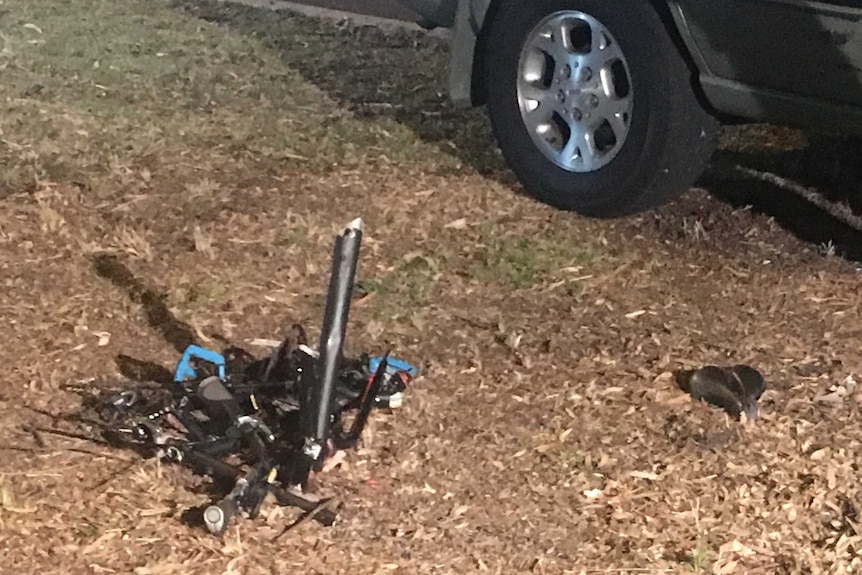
[
  {"x": 214, "y": 519},
  {"x": 355, "y": 225},
  {"x": 395, "y": 400},
  {"x": 308, "y": 351}
]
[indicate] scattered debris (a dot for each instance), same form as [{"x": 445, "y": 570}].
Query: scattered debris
[
  {"x": 280, "y": 415},
  {"x": 838, "y": 393},
  {"x": 735, "y": 389}
]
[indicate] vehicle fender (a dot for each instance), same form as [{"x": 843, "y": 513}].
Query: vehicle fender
[
  {"x": 478, "y": 11},
  {"x": 466, "y": 59},
  {"x": 462, "y": 54},
  {"x": 439, "y": 12},
  {"x": 683, "y": 36}
]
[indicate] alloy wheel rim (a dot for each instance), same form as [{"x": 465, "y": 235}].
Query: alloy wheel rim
[{"x": 574, "y": 91}]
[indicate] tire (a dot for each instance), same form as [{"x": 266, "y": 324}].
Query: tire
[{"x": 660, "y": 137}]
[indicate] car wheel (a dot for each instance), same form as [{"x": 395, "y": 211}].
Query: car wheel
[{"x": 592, "y": 105}]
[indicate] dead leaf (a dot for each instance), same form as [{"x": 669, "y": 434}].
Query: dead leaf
[
  {"x": 459, "y": 224},
  {"x": 728, "y": 567},
  {"x": 104, "y": 337},
  {"x": 260, "y": 342},
  {"x": 644, "y": 475}
]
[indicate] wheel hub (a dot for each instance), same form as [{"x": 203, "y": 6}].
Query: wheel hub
[{"x": 574, "y": 91}]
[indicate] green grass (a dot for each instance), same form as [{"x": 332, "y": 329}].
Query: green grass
[
  {"x": 512, "y": 261},
  {"x": 522, "y": 261},
  {"x": 699, "y": 559},
  {"x": 404, "y": 290},
  {"x": 202, "y": 295},
  {"x": 147, "y": 88}
]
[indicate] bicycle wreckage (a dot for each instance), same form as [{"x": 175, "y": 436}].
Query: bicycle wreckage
[{"x": 282, "y": 416}]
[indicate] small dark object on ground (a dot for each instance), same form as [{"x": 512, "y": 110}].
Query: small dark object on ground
[
  {"x": 280, "y": 415},
  {"x": 735, "y": 389}
]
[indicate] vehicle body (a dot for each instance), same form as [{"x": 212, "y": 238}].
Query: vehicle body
[{"x": 793, "y": 62}]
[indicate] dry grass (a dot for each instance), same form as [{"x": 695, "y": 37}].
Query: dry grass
[{"x": 186, "y": 189}]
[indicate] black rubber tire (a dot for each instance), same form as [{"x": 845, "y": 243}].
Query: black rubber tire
[{"x": 671, "y": 136}]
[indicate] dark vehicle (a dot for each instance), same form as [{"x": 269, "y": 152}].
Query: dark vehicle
[{"x": 611, "y": 107}]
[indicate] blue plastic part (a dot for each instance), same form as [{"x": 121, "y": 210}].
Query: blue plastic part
[
  {"x": 184, "y": 368},
  {"x": 394, "y": 366}
]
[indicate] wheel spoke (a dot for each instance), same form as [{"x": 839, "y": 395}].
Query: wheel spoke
[
  {"x": 586, "y": 148},
  {"x": 579, "y": 152},
  {"x": 619, "y": 124},
  {"x": 570, "y": 150},
  {"x": 600, "y": 42},
  {"x": 601, "y": 59},
  {"x": 553, "y": 41},
  {"x": 535, "y": 94},
  {"x": 614, "y": 107},
  {"x": 606, "y": 83},
  {"x": 616, "y": 112},
  {"x": 562, "y": 32},
  {"x": 599, "y": 63},
  {"x": 538, "y": 120}
]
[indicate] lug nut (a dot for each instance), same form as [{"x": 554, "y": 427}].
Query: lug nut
[
  {"x": 593, "y": 101},
  {"x": 586, "y": 74},
  {"x": 577, "y": 114}
]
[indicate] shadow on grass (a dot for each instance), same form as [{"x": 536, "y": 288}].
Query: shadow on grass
[
  {"x": 142, "y": 370},
  {"x": 375, "y": 74},
  {"x": 815, "y": 192},
  {"x": 179, "y": 334}
]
